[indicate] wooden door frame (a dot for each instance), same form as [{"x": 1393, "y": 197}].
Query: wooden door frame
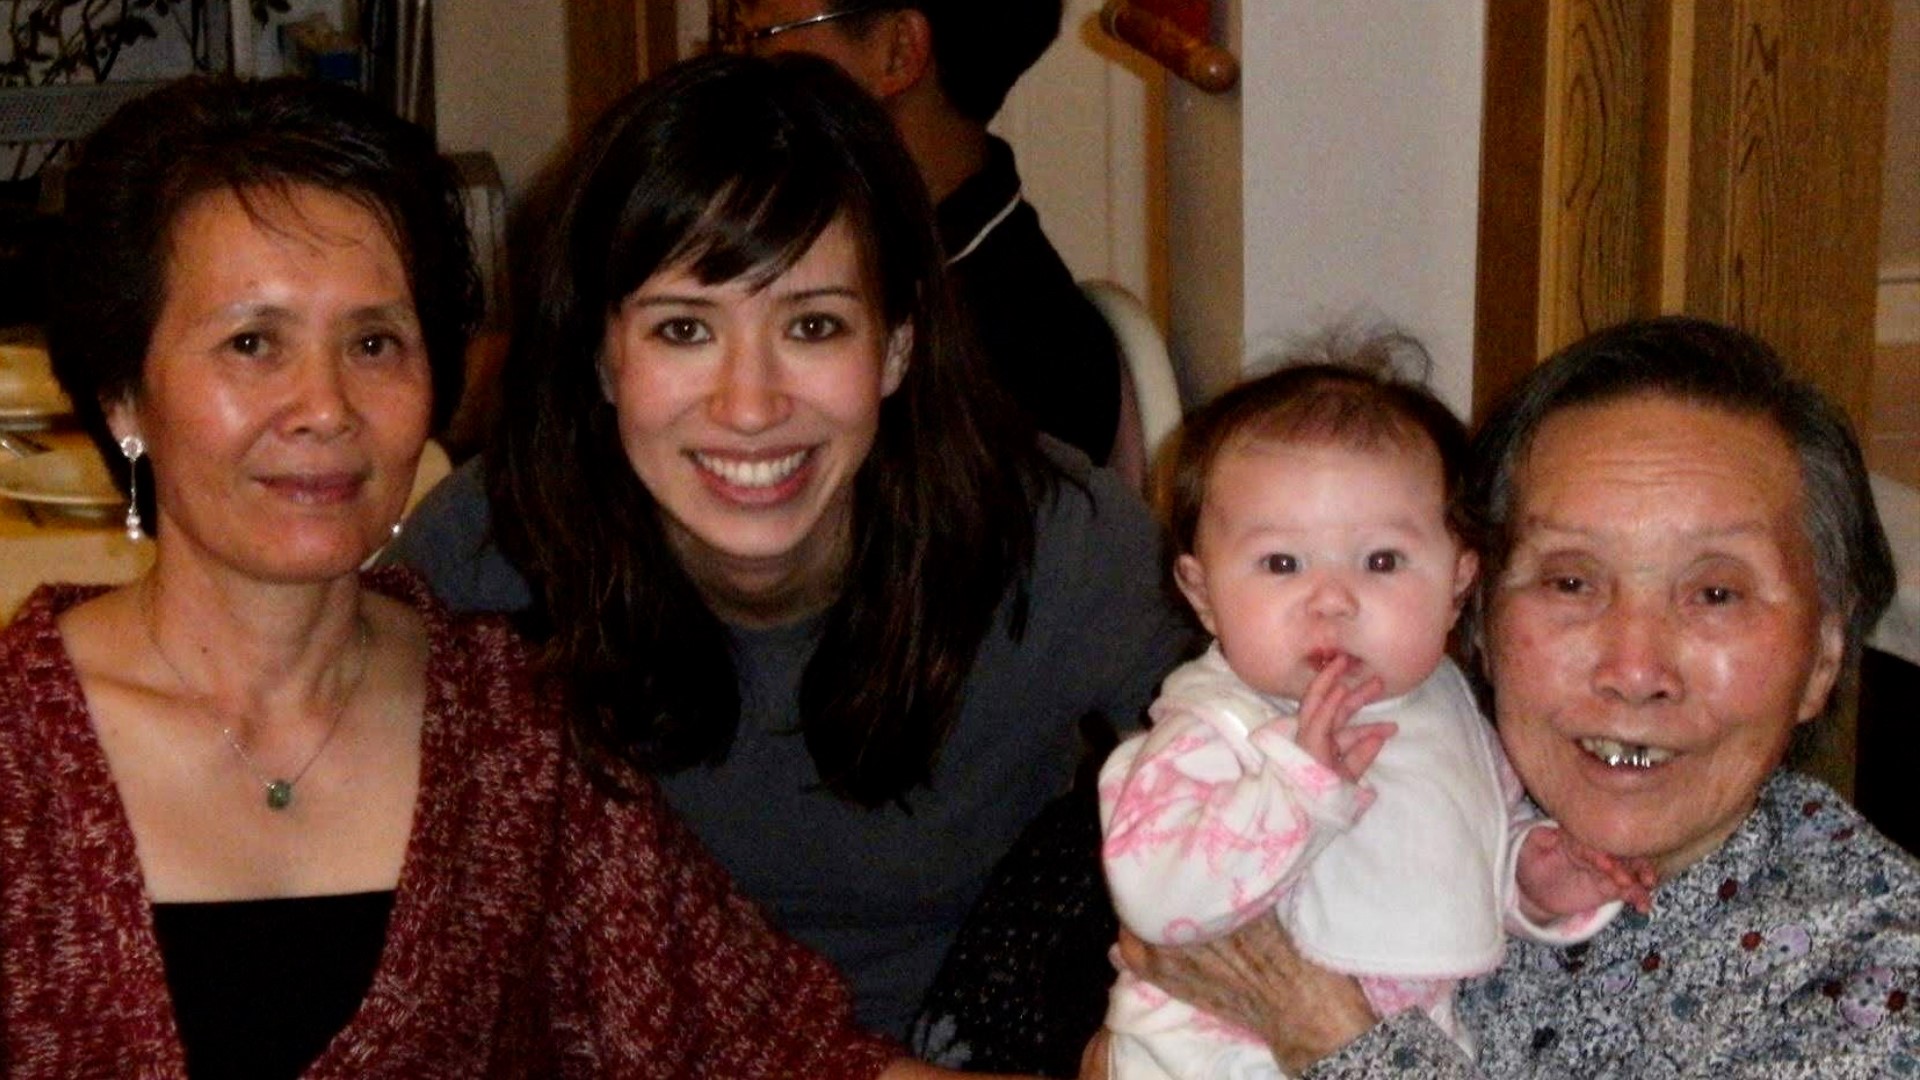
[
  {"x": 1720, "y": 158},
  {"x": 611, "y": 46},
  {"x": 1715, "y": 157}
]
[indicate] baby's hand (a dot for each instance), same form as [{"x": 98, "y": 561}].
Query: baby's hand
[
  {"x": 1327, "y": 732},
  {"x": 1560, "y": 876}
]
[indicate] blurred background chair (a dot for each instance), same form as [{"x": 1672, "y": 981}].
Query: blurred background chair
[{"x": 1149, "y": 392}]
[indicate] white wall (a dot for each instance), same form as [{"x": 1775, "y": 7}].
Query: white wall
[
  {"x": 1358, "y": 161},
  {"x": 500, "y": 81},
  {"x": 1207, "y": 298},
  {"x": 1078, "y": 125}
]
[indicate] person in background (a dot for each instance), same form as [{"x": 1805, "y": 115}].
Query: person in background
[
  {"x": 265, "y": 816},
  {"x": 1323, "y": 542},
  {"x": 1683, "y": 560},
  {"x": 783, "y": 545},
  {"x": 942, "y": 69}
]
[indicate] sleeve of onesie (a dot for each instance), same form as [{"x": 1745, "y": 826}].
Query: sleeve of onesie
[
  {"x": 1210, "y": 816},
  {"x": 1522, "y": 819}
]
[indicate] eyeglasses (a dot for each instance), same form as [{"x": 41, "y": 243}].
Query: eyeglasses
[{"x": 749, "y": 38}]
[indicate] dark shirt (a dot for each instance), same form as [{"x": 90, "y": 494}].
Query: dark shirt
[
  {"x": 1047, "y": 344},
  {"x": 260, "y": 987},
  {"x": 882, "y": 892}
]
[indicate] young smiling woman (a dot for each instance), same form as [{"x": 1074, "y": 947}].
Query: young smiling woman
[
  {"x": 786, "y": 546},
  {"x": 745, "y": 408}
]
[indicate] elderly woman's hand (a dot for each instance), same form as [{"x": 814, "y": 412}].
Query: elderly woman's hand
[
  {"x": 1254, "y": 977},
  {"x": 1093, "y": 1060}
]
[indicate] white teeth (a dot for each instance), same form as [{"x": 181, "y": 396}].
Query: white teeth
[
  {"x": 751, "y": 474},
  {"x": 1619, "y": 754}
]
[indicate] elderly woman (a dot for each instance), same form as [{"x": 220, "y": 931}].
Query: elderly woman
[
  {"x": 1684, "y": 559},
  {"x": 785, "y": 547},
  {"x": 261, "y": 815}
]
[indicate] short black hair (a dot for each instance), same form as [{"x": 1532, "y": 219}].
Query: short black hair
[
  {"x": 134, "y": 177},
  {"x": 980, "y": 47}
]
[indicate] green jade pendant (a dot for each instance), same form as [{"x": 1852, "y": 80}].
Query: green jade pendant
[{"x": 279, "y": 794}]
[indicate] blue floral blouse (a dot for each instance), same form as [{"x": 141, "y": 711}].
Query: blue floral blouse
[{"x": 1792, "y": 951}]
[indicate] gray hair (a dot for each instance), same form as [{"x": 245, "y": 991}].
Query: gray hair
[{"x": 1715, "y": 366}]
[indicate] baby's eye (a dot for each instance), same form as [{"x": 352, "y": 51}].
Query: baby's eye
[
  {"x": 1278, "y": 563},
  {"x": 682, "y": 331},
  {"x": 1385, "y": 562},
  {"x": 817, "y": 326}
]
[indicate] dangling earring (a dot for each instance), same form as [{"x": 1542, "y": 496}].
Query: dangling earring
[{"x": 135, "y": 448}]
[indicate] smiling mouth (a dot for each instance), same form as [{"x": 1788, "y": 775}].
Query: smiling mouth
[
  {"x": 751, "y": 474},
  {"x": 1619, "y": 755},
  {"x": 316, "y": 488}
]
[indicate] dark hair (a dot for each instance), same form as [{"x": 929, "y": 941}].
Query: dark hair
[
  {"x": 158, "y": 153},
  {"x": 1343, "y": 389},
  {"x": 980, "y": 47},
  {"x": 1715, "y": 367},
  {"x": 733, "y": 166}
]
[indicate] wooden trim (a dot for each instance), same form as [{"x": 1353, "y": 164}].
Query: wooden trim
[
  {"x": 660, "y": 37},
  {"x": 1595, "y": 128},
  {"x": 1512, "y": 148},
  {"x": 611, "y": 46},
  {"x": 1665, "y": 206},
  {"x": 1790, "y": 108},
  {"x": 603, "y": 41},
  {"x": 1563, "y": 171},
  {"x": 1709, "y": 160}
]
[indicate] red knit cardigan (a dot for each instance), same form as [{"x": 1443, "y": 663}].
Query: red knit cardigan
[{"x": 538, "y": 929}]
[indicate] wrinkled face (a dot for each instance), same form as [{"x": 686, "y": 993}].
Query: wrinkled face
[
  {"x": 862, "y": 57},
  {"x": 1305, "y": 552},
  {"x": 285, "y": 393},
  {"x": 1658, "y": 633},
  {"x": 746, "y": 412}
]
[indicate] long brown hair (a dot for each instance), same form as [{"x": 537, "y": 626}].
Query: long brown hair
[{"x": 732, "y": 166}]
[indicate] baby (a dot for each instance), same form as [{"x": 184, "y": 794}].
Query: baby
[{"x": 1321, "y": 544}]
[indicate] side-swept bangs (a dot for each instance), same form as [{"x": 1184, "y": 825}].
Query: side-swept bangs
[
  {"x": 733, "y": 167},
  {"x": 737, "y": 181}
]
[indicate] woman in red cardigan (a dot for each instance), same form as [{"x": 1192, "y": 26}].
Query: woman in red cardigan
[{"x": 262, "y": 815}]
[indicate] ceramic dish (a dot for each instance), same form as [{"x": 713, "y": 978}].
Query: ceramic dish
[
  {"x": 29, "y": 396},
  {"x": 72, "y": 478}
]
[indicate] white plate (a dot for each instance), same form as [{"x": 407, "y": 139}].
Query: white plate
[
  {"x": 71, "y": 477},
  {"x": 28, "y": 392}
]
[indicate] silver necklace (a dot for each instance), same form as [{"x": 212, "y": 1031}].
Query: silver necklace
[{"x": 279, "y": 789}]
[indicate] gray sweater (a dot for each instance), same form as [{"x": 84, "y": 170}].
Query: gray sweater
[
  {"x": 882, "y": 892},
  {"x": 1792, "y": 951}
]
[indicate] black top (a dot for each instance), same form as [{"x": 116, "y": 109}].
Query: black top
[
  {"x": 1047, "y": 343},
  {"x": 261, "y": 986}
]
